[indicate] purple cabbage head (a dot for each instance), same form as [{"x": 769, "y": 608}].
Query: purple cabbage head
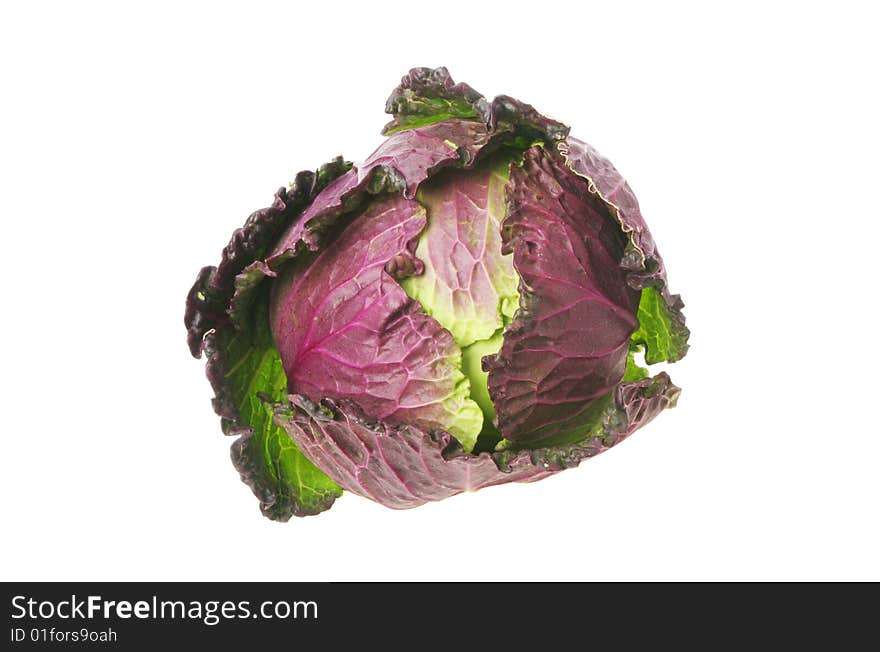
[{"x": 464, "y": 308}]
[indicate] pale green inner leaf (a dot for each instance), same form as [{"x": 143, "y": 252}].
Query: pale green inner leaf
[{"x": 476, "y": 324}]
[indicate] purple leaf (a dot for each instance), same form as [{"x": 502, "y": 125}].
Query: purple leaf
[
  {"x": 346, "y": 329},
  {"x": 568, "y": 345}
]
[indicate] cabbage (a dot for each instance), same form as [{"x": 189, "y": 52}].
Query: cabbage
[{"x": 464, "y": 308}]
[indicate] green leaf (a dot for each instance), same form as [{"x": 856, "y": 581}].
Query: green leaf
[
  {"x": 634, "y": 372},
  {"x": 430, "y": 111},
  {"x": 664, "y": 337},
  {"x": 286, "y": 483},
  {"x": 427, "y": 96}
]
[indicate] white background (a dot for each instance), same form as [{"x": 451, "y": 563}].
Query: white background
[{"x": 135, "y": 139}]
